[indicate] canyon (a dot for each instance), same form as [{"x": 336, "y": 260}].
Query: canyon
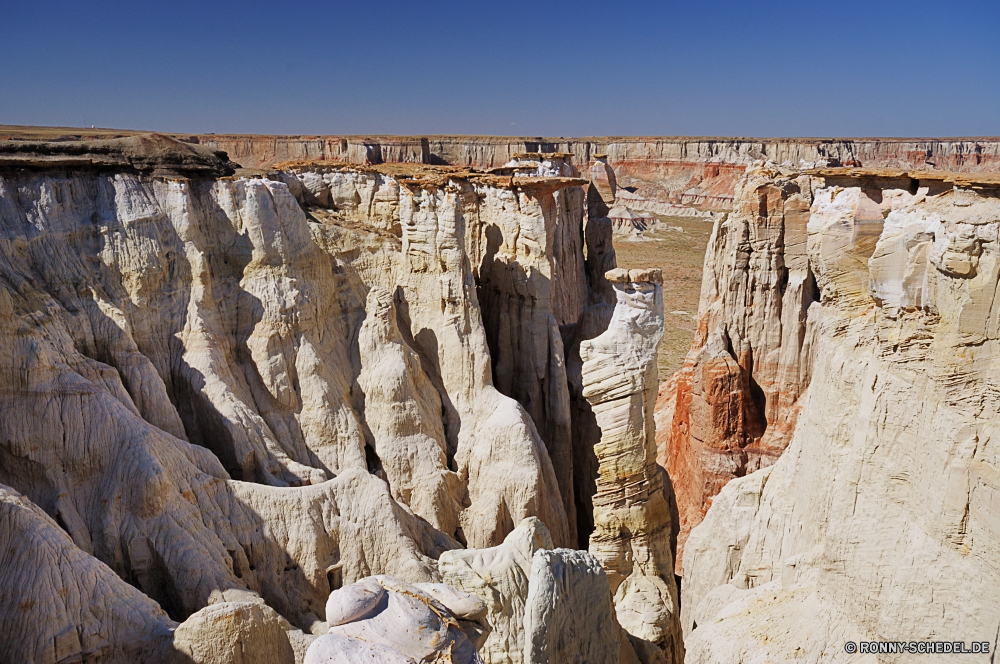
[
  {"x": 668, "y": 175},
  {"x": 879, "y": 517},
  {"x": 336, "y": 399}
]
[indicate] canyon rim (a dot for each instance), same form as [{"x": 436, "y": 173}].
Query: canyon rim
[{"x": 382, "y": 398}]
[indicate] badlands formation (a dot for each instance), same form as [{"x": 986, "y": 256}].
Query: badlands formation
[
  {"x": 270, "y": 416},
  {"x": 333, "y": 409},
  {"x": 865, "y": 337}
]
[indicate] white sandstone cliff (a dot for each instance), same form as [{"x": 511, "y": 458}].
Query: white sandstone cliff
[
  {"x": 242, "y": 393},
  {"x": 879, "y": 521}
]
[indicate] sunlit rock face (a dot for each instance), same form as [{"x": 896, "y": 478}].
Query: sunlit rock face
[
  {"x": 879, "y": 518},
  {"x": 667, "y": 173},
  {"x": 251, "y": 391},
  {"x": 383, "y": 619},
  {"x": 632, "y": 521},
  {"x": 543, "y": 605},
  {"x": 732, "y": 407}
]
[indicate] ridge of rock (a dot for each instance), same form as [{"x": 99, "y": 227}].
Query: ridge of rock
[
  {"x": 155, "y": 154},
  {"x": 878, "y": 519}
]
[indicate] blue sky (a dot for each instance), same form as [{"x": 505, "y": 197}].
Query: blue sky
[{"x": 728, "y": 68}]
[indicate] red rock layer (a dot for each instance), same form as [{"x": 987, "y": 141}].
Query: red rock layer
[
  {"x": 692, "y": 171},
  {"x": 731, "y": 409}
]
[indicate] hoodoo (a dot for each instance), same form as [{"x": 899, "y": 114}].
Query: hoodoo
[{"x": 632, "y": 521}]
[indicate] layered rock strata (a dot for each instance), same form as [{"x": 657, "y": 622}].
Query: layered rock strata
[
  {"x": 543, "y": 605},
  {"x": 700, "y": 172},
  {"x": 88, "y": 613},
  {"x": 731, "y": 409},
  {"x": 879, "y": 520},
  {"x": 668, "y": 171},
  {"x": 632, "y": 521},
  {"x": 283, "y": 383}
]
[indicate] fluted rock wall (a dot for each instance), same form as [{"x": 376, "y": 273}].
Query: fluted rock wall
[
  {"x": 228, "y": 389},
  {"x": 879, "y": 520},
  {"x": 732, "y": 407}
]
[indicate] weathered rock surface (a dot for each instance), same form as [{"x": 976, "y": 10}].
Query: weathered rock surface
[
  {"x": 259, "y": 389},
  {"x": 568, "y": 611},
  {"x": 384, "y": 619},
  {"x": 403, "y": 411},
  {"x": 542, "y": 605},
  {"x": 153, "y": 154},
  {"x": 879, "y": 520},
  {"x": 464, "y": 239},
  {"x": 500, "y": 576},
  {"x": 632, "y": 533},
  {"x": 60, "y": 604},
  {"x": 236, "y": 633},
  {"x": 733, "y": 405}
]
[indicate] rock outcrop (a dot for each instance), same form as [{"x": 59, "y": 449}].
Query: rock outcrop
[
  {"x": 543, "y": 605},
  {"x": 556, "y": 630},
  {"x": 239, "y": 633},
  {"x": 879, "y": 520},
  {"x": 383, "y": 619},
  {"x": 151, "y": 154},
  {"x": 403, "y": 412},
  {"x": 731, "y": 409},
  {"x": 247, "y": 392},
  {"x": 632, "y": 521},
  {"x": 500, "y": 576}
]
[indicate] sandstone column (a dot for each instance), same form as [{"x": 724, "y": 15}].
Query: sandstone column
[{"x": 632, "y": 522}]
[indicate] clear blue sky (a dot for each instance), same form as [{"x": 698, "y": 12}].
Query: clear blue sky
[{"x": 729, "y": 67}]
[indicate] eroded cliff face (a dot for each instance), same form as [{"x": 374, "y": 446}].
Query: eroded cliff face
[
  {"x": 879, "y": 520},
  {"x": 700, "y": 172},
  {"x": 238, "y": 394},
  {"x": 732, "y": 407}
]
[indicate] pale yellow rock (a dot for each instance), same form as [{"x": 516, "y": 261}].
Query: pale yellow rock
[
  {"x": 542, "y": 605},
  {"x": 235, "y": 633},
  {"x": 632, "y": 520},
  {"x": 523, "y": 244}
]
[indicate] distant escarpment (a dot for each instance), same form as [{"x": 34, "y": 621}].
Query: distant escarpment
[{"x": 665, "y": 172}]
